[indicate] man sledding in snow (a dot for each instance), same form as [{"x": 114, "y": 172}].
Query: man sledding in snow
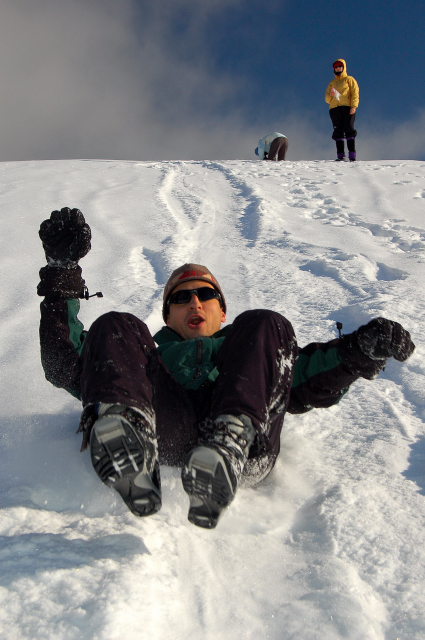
[
  {"x": 208, "y": 399},
  {"x": 342, "y": 96}
]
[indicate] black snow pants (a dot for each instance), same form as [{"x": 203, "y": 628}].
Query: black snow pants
[
  {"x": 121, "y": 365},
  {"x": 278, "y": 149},
  {"x": 343, "y": 123}
]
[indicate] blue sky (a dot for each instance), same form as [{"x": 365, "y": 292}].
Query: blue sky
[
  {"x": 205, "y": 79},
  {"x": 284, "y": 50},
  {"x": 291, "y": 48}
]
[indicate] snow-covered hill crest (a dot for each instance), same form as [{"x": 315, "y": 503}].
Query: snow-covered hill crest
[{"x": 331, "y": 545}]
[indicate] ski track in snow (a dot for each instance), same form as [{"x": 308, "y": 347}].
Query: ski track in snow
[{"x": 331, "y": 544}]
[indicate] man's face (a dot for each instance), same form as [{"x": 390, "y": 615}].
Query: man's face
[
  {"x": 195, "y": 319},
  {"x": 339, "y": 69}
]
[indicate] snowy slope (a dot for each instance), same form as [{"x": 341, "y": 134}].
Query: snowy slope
[{"x": 331, "y": 545}]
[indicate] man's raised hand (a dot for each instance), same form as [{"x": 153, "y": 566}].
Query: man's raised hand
[{"x": 66, "y": 238}]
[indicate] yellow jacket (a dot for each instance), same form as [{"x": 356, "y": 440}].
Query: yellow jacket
[{"x": 347, "y": 87}]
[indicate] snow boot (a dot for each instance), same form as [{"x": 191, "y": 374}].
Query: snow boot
[
  {"x": 340, "y": 151},
  {"x": 351, "y": 145},
  {"x": 212, "y": 470},
  {"x": 124, "y": 455}
]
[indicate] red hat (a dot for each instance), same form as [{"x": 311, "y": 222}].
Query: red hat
[
  {"x": 338, "y": 63},
  {"x": 185, "y": 273}
]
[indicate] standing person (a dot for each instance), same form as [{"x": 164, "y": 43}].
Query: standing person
[
  {"x": 342, "y": 96},
  {"x": 208, "y": 399},
  {"x": 272, "y": 147}
]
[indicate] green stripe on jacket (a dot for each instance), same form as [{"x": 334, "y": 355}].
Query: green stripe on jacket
[{"x": 320, "y": 361}]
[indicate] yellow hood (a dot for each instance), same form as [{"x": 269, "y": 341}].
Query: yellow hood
[{"x": 344, "y": 71}]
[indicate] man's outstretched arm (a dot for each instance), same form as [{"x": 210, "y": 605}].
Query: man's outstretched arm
[
  {"x": 324, "y": 371},
  {"x": 66, "y": 239}
]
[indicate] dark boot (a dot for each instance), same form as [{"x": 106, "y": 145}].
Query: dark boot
[
  {"x": 123, "y": 451},
  {"x": 212, "y": 470},
  {"x": 351, "y": 145},
  {"x": 340, "y": 150}
]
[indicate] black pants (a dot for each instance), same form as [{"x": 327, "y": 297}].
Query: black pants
[
  {"x": 121, "y": 365},
  {"x": 278, "y": 149},
  {"x": 343, "y": 123}
]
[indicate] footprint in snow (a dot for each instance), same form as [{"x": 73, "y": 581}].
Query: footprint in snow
[{"x": 389, "y": 273}]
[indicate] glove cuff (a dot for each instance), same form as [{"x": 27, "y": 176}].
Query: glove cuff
[{"x": 57, "y": 282}]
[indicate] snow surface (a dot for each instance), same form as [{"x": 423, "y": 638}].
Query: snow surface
[{"x": 331, "y": 545}]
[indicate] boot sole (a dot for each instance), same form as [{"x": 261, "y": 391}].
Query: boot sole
[
  {"x": 208, "y": 485},
  {"x": 118, "y": 457}
]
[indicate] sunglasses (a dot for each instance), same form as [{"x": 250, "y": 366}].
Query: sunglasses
[{"x": 185, "y": 295}]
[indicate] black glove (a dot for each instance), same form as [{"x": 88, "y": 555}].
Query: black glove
[
  {"x": 66, "y": 238},
  {"x": 381, "y": 338}
]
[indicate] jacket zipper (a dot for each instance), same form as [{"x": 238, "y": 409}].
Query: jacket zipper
[
  {"x": 199, "y": 352},
  {"x": 198, "y": 359}
]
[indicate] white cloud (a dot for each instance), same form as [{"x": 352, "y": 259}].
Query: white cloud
[
  {"x": 88, "y": 78},
  {"x": 391, "y": 140}
]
